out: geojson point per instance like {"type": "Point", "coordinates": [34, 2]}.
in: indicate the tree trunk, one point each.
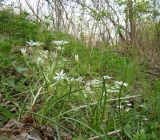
{"type": "Point", "coordinates": [132, 22]}
{"type": "Point", "coordinates": [58, 11]}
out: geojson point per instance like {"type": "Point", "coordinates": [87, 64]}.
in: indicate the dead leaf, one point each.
{"type": "Point", "coordinates": [47, 132]}
{"type": "Point", "coordinates": [14, 124]}
{"type": "Point", "coordinates": [22, 136]}
{"type": "Point", "coordinates": [13, 110]}
{"type": "Point", "coordinates": [27, 118]}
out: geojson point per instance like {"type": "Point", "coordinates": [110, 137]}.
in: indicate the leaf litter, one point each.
{"type": "Point", "coordinates": [15, 130]}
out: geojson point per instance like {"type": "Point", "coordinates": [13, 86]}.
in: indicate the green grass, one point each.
{"type": "Point", "coordinates": [72, 106]}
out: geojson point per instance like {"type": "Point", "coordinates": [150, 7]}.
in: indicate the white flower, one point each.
{"type": "Point", "coordinates": [145, 118]}
{"type": "Point", "coordinates": [44, 54]}
{"type": "Point", "coordinates": [129, 104]}
{"type": "Point", "coordinates": [76, 57]}
{"type": "Point", "coordinates": [125, 84]}
{"type": "Point", "coordinates": [143, 106]}
{"type": "Point", "coordinates": [65, 59]}
{"type": "Point", "coordinates": [126, 101]}
{"type": "Point", "coordinates": [59, 48]}
{"type": "Point", "coordinates": [88, 90]}
{"type": "Point", "coordinates": [23, 51]}
{"type": "Point", "coordinates": [120, 83]}
{"type": "Point", "coordinates": [85, 95]}
{"type": "Point", "coordinates": [59, 42]}
{"type": "Point", "coordinates": [60, 76]}
{"type": "Point", "coordinates": [94, 83]}
{"type": "Point", "coordinates": [45, 51]}
{"type": "Point", "coordinates": [127, 109]}
{"type": "Point", "coordinates": [79, 79]}
{"type": "Point", "coordinates": [107, 77]}
{"type": "Point", "coordinates": [54, 55]}
{"type": "Point", "coordinates": [40, 60]}
{"type": "Point", "coordinates": [33, 43]}
{"type": "Point", "coordinates": [108, 86]}
{"type": "Point", "coordinates": [72, 79]}
{"type": "Point", "coordinates": [119, 106]}
{"type": "Point", "coordinates": [112, 90]}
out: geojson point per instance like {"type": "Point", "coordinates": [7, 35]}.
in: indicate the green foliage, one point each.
{"type": "Point", "coordinates": [18, 26]}
{"type": "Point", "coordinates": [99, 15]}
{"type": "Point", "coordinates": [142, 6]}
{"type": "Point", "coordinates": [121, 2]}
{"type": "Point", "coordinates": [5, 49]}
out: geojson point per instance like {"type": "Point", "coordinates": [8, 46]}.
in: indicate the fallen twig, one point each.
{"type": "Point", "coordinates": [112, 133]}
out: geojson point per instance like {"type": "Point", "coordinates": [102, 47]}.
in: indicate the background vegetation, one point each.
{"type": "Point", "coordinates": [79, 88]}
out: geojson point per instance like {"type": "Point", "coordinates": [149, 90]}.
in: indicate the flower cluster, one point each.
{"type": "Point", "coordinates": [89, 85]}
{"type": "Point", "coordinates": [42, 56]}
{"type": "Point", "coordinates": [110, 88]}
{"type": "Point", "coordinates": [120, 83]}
{"type": "Point", "coordinates": [107, 77]}
{"type": "Point", "coordinates": [63, 76]}
{"type": "Point", "coordinates": [94, 83]}
{"type": "Point", "coordinates": [58, 44]}
{"type": "Point", "coordinates": [72, 79]}
{"type": "Point", "coordinates": [116, 87]}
